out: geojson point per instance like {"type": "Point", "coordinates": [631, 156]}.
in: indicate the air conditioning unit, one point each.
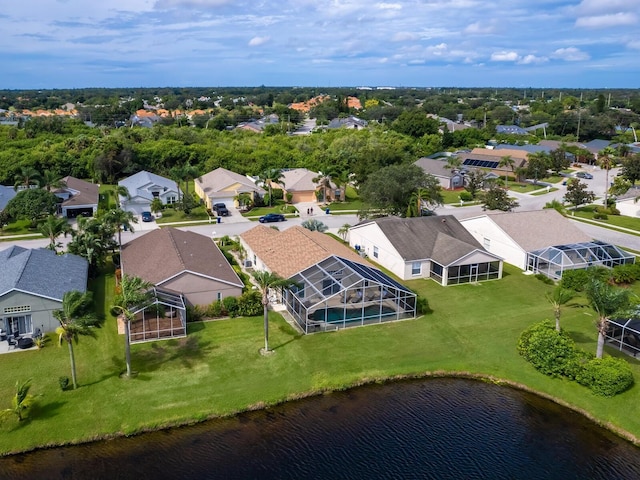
{"type": "Point", "coordinates": [248, 264]}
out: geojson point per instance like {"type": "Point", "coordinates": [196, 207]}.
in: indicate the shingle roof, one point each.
{"type": "Point", "coordinates": [294, 249]}
{"type": "Point", "coordinates": [136, 184]}
{"type": "Point", "coordinates": [433, 166]}
{"type": "Point", "coordinates": [539, 229]}
{"type": "Point", "coordinates": [6, 194]}
{"type": "Point", "coordinates": [299, 179]}
{"type": "Point", "coordinates": [42, 272]}
{"type": "Point", "coordinates": [440, 238]}
{"type": "Point", "coordinates": [219, 179]}
{"type": "Point", "coordinates": [88, 193]}
{"type": "Point", "coordinates": [166, 252]}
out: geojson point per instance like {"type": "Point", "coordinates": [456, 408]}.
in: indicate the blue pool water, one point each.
{"type": "Point", "coordinates": [338, 315]}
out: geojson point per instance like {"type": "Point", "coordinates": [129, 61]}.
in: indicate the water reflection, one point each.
{"type": "Point", "coordinates": [437, 428]}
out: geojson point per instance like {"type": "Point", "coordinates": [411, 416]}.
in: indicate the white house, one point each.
{"type": "Point", "coordinates": [143, 187]}
{"type": "Point", "coordinates": [436, 247]}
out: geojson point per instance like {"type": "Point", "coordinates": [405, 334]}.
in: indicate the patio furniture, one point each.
{"type": "Point", "coordinates": [11, 343]}
{"type": "Point", "coordinates": [3, 335]}
{"type": "Point", "coordinates": [25, 342]}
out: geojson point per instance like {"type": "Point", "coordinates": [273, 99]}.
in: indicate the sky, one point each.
{"type": "Point", "coordinates": [330, 43]}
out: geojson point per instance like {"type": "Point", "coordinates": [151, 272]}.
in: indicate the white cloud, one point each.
{"type": "Point", "coordinates": [480, 28]}
{"type": "Point", "coordinates": [389, 6]}
{"type": "Point", "coordinates": [257, 41]}
{"type": "Point", "coordinates": [634, 44]}
{"type": "Point", "coordinates": [504, 57]}
{"type": "Point", "coordinates": [570, 54]}
{"type": "Point", "coordinates": [596, 7]}
{"type": "Point", "coordinates": [529, 59]}
{"type": "Point", "coordinates": [404, 37]}
{"type": "Point", "coordinates": [606, 21]}
{"type": "Point", "coordinates": [162, 4]}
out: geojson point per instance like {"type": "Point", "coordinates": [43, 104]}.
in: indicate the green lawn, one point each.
{"type": "Point", "coordinates": [170, 215]}
{"type": "Point", "coordinates": [279, 207]}
{"type": "Point", "coordinates": [19, 227]}
{"type": "Point", "coordinates": [524, 187]}
{"type": "Point", "coordinates": [217, 370]}
{"type": "Point", "coordinates": [614, 220]}
{"type": "Point", "coordinates": [544, 191]}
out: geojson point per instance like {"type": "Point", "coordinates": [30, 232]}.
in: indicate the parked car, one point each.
{"type": "Point", "coordinates": [147, 217]}
{"type": "Point", "coordinates": [220, 209]}
{"type": "Point", "coordinates": [272, 217]}
{"type": "Point", "coordinates": [585, 175]}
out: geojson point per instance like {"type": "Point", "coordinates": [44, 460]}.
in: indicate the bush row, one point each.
{"type": "Point", "coordinates": [555, 354]}
{"type": "Point", "coordinates": [249, 304]}
{"type": "Point", "coordinates": [620, 274]}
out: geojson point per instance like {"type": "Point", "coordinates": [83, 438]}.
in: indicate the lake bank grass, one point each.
{"type": "Point", "coordinates": [217, 370]}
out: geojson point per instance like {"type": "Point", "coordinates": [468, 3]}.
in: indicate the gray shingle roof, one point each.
{"type": "Point", "coordinates": [6, 194]}
{"type": "Point", "coordinates": [440, 238]}
{"type": "Point", "coordinates": [42, 272]}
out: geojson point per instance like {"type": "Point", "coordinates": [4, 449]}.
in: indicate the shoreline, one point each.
{"type": "Point", "coordinates": [620, 432]}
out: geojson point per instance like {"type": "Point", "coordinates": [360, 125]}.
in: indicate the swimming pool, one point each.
{"type": "Point", "coordinates": [340, 315]}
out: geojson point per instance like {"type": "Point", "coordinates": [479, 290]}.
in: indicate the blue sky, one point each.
{"type": "Point", "coordinates": [146, 43]}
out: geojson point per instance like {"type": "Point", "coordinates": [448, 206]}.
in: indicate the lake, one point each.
{"type": "Point", "coordinates": [422, 429]}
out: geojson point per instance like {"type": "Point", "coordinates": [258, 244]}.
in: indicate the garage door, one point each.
{"type": "Point", "coordinates": [137, 208]}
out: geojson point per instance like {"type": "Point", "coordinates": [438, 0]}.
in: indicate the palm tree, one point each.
{"type": "Point", "coordinates": [266, 281]}
{"type": "Point", "coordinates": [134, 292]}
{"type": "Point", "coordinates": [21, 403]}
{"type": "Point", "coordinates": [28, 176]}
{"type": "Point", "coordinates": [51, 181]}
{"type": "Point", "coordinates": [120, 191]}
{"type": "Point", "coordinates": [52, 228]}
{"type": "Point", "coordinates": [507, 161]}
{"type": "Point", "coordinates": [324, 181]}
{"type": "Point", "coordinates": [606, 159]}
{"type": "Point", "coordinates": [268, 178]}
{"type": "Point", "coordinates": [314, 225]}
{"type": "Point", "coordinates": [559, 297]}
{"type": "Point", "coordinates": [605, 299]}
{"type": "Point", "coordinates": [453, 163]}
{"type": "Point", "coordinates": [156, 205]}
{"type": "Point", "coordinates": [76, 318]}
{"type": "Point", "coordinates": [343, 231]}
{"type": "Point", "coordinates": [120, 220]}
{"type": "Point", "coordinates": [414, 209]}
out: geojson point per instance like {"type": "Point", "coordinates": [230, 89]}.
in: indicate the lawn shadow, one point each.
{"type": "Point", "coordinates": [188, 351]}
{"type": "Point", "coordinates": [117, 368]}
{"type": "Point", "coordinates": [288, 330]}
{"type": "Point", "coordinates": [46, 411]}
{"type": "Point", "coordinates": [195, 327]}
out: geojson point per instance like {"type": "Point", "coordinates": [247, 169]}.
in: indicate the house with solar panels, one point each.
{"type": "Point", "coordinates": [489, 159]}
{"type": "Point", "coordinates": [334, 287]}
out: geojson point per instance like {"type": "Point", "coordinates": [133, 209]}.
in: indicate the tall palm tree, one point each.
{"type": "Point", "coordinates": [507, 161]}
{"type": "Point", "coordinates": [28, 176]}
{"type": "Point", "coordinates": [343, 231]}
{"type": "Point", "coordinates": [76, 318]}
{"type": "Point", "coordinates": [414, 209]}
{"type": "Point", "coordinates": [269, 177]}
{"type": "Point", "coordinates": [453, 163]}
{"type": "Point", "coordinates": [51, 181]}
{"type": "Point", "coordinates": [52, 228]}
{"type": "Point", "coordinates": [266, 281]}
{"type": "Point", "coordinates": [120, 191]}
{"type": "Point", "coordinates": [120, 220]}
{"type": "Point", "coordinates": [606, 300]}
{"type": "Point", "coordinates": [559, 297]}
{"type": "Point", "coordinates": [190, 172]}
{"type": "Point", "coordinates": [607, 160]}
{"type": "Point", "coordinates": [134, 292]}
{"type": "Point", "coordinates": [324, 181]}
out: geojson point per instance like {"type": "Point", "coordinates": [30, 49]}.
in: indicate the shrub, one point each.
{"type": "Point", "coordinates": [195, 313]}
{"type": "Point", "coordinates": [576, 279]}
{"type": "Point", "coordinates": [600, 216]}
{"type": "Point", "coordinates": [550, 351]}
{"type": "Point", "coordinates": [231, 306]}
{"type": "Point", "coordinates": [606, 376]}
{"type": "Point", "coordinates": [627, 273]}
{"type": "Point", "coordinates": [544, 279]}
{"type": "Point", "coordinates": [63, 382]}
{"type": "Point", "coordinates": [422, 306]}
{"type": "Point", "coordinates": [250, 304]}
{"type": "Point", "coordinates": [216, 309]}
{"type": "Point", "coordinates": [466, 196]}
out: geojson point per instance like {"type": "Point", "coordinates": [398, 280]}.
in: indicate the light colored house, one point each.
{"type": "Point", "coordinates": [436, 247]}
{"type": "Point", "coordinates": [78, 197]}
{"type": "Point", "coordinates": [183, 262]}
{"type": "Point", "coordinates": [223, 186]}
{"type": "Point", "coordinates": [487, 158]}
{"type": "Point", "coordinates": [542, 241]}
{"type": "Point", "coordinates": [143, 187]}
{"type": "Point", "coordinates": [334, 287]}
{"type": "Point", "coordinates": [32, 285]}
{"type": "Point", "coordinates": [299, 182]}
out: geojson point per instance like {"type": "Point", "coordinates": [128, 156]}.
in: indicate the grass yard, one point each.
{"type": "Point", "coordinates": [524, 187]}
{"type": "Point", "coordinates": [19, 227]}
{"type": "Point", "coordinates": [279, 207]}
{"type": "Point", "coordinates": [170, 215]}
{"type": "Point", "coordinates": [217, 369]}
{"type": "Point", "coordinates": [613, 220]}
{"type": "Point", "coordinates": [544, 191]}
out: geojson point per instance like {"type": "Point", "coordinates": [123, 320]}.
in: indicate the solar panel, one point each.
{"type": "Point", "coordinates": [481, 163]}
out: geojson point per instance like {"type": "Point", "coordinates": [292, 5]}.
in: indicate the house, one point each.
{"type": "Point", "coordinates": [542, 241]}
{"type": "Point", "coordinates": [488, 158]}
{"type": "Point", "coordinates": [6, 194]}
{"type": "Point", "coordinates": [436, 247]}
{"type": "Point", "coordinates": [78, 197]}
{"type": "Point", "coordinates": [143, 187]}
{"type": "Point", "coordinates": [449, 178]}
{"type": "Point", "coordinates": [334, 287]}
{"type": "Point", "coordinates": [32, 285]}
{"type": "Point", "coordinates": [258, 126]}
{"type": "Point", "coordinates": [223, 186]}
{"type": "Point", "coordinates": [351, 123]}
{"type": "Point", "coordinates": [299, 182]}
{"type": "Point", "coordinates": [183, 262]}
{"type": "Point", "coordinates": [511, 130]}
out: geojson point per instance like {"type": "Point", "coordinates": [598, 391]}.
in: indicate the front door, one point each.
{"type": "Point", "coordinates": [474, 273]}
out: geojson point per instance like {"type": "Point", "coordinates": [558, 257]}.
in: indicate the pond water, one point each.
{"type": "Point", "coordinates": [422, 429]}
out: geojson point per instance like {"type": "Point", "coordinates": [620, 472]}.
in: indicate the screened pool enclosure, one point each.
{"type": "Point", "coordinates": [624, 334]}
{"type": "Point", "coordinates": [338, 293]}
{"type": "Point", "coordinates": [553, 261]}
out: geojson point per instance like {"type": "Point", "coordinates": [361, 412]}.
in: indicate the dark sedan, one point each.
{"type": "Point", "coordinates": [272, 217]}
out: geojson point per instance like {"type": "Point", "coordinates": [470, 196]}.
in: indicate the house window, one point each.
{"type": "Point", "coordinates": [155, 194]}
{"type": "Point", "coordinates": [171, 200]}
{"type": "Point", "coordinates": [338, 192]}
{"type": "Point", "coordinates": [487, 243]}
{"type": "Point", "coordinates": [375, 252]}
{"type": "Point", "coordinates": [219, 297]}
{"type": "Point", "coordinates": [416, 268]}
{"type": "Point", "coordinates": [22, 308]}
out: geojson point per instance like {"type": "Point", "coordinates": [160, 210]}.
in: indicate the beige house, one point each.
{"type": "Point", "coordinates": [183, 262]}
{"type": "Point", "coordinates": [223, 186]}
{"type": "Point", "coordinates": [299, 182]}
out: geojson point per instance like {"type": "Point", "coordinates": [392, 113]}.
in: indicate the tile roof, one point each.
{"type": "Point", "coordinates": [166, 252]}
{"type": "Point", "coordinates": [289, 251]}
{"type": "Point", "coordinates": [41, 272]}
{"type": "Point", "coordinates": [216, 181]}
{"type": "Point", "coordinates": [299, 179]}
{"type": "Point", "coordinates": [88, 193]}
{"type": "Point", "coordinates": [441, 238]}
{"type": "Point", "coordinates": [539, 229]}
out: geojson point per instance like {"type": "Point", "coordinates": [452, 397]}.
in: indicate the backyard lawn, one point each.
{"type": "Point", "coordinates": [217, 369]}
{"type": "Point", "coordinates": [613, 220]}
